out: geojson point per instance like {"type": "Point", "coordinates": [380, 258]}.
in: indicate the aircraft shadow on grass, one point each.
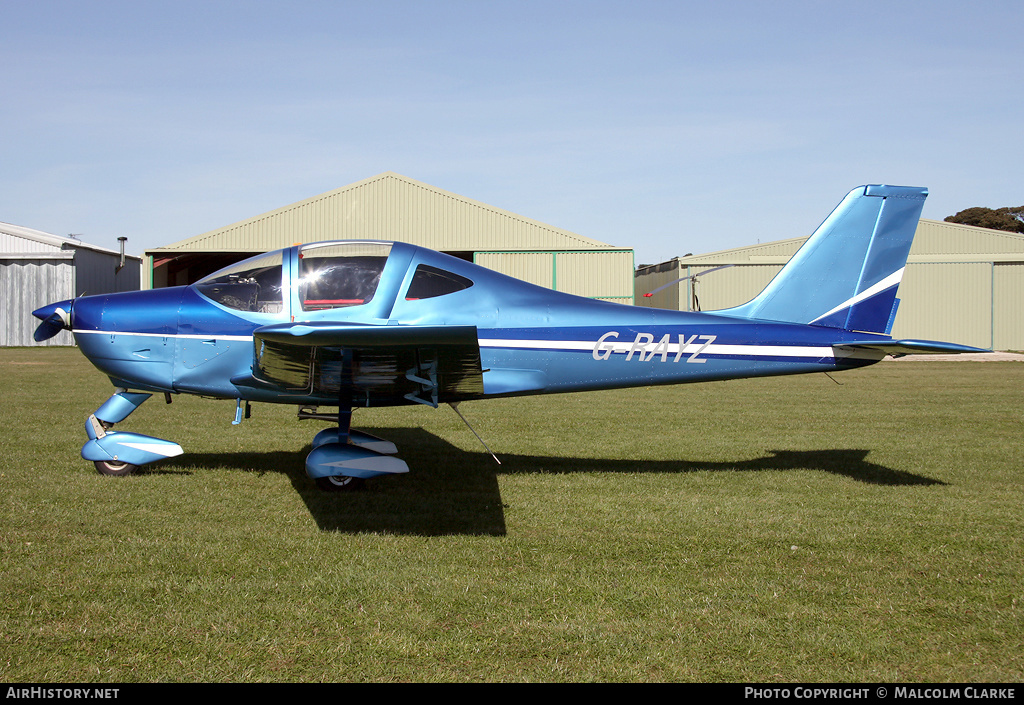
{"type": "Point", "coordinates": [461, 494]}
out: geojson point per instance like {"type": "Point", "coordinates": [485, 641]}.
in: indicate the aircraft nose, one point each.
{"type": "Point", "coordinates": [146, 311]}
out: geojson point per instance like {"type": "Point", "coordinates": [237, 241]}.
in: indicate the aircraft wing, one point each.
{"type": "Point", "coordinates": [368, 365]}
{"type": "Point", "coordinates": [910, 347]}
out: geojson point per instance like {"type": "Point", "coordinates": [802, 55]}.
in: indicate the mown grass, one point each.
{"type": "Point", "coordinates": [787, 529]}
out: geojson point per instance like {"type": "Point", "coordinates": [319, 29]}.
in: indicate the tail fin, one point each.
{"type": "Point", "coordinates": [846, 274]}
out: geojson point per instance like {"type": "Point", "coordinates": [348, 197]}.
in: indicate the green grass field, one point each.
{"type": "Point", "coordinates": [788, 529]}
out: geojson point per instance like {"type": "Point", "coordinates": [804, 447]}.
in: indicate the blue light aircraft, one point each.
{"type": "Point", "coordinates": [352, 324]}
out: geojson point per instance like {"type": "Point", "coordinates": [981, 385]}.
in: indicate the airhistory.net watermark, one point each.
{"type": "Point", "coordinates": [51, 693]}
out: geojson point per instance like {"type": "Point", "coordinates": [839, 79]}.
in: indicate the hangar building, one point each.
{"type": "Point", "coordinates": [37, 268]}
{"type": "Point", "coordinates": [393, 207]}
{"type": "Point", "coordinates": [962, 284]}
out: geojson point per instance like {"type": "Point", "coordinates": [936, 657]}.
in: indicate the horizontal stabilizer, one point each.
{"type": "Point", "coordinates": [910, 347]}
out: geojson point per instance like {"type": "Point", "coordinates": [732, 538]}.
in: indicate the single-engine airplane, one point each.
{"type": "Point", "coordinates": [352, 324]}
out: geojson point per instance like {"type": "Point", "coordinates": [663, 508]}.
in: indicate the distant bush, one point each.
{"type": "Point", "coordinates": [1011, 219]}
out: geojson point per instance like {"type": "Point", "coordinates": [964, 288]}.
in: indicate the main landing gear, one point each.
{"type": "Point", "coordinates": [343, 458]}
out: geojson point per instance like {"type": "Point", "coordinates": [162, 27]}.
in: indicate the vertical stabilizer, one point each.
{"type": "Point", "coordinates": [847, 273]}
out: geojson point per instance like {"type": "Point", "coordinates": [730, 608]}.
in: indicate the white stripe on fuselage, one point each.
{"type": "Point", "coordinates": [182, 336]}
{"type": "Point", "coordinates": [643, 350]}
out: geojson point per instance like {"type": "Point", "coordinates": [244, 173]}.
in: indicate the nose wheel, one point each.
{"type": "Point", "coordinates": [114, 468]}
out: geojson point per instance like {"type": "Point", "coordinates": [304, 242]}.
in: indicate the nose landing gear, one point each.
{"type": "Point", "coordinates": [118, 453]}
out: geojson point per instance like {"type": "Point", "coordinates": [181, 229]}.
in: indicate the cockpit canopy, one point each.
{"type": "Point", "coordinates": [329, 275]}
{"type": "Point", "coordinates": [336, 275]}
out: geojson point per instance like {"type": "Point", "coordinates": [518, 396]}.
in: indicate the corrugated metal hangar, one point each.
{"type": "Point", "coordinates": [962, 284]}
{"type": "Point", "coordinates": [393, 207]}
{"type": "Point", "coordinates": [38, 268]}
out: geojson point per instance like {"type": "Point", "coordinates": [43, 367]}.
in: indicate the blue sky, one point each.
{"type": "Point", "coordinates": [668, 127]}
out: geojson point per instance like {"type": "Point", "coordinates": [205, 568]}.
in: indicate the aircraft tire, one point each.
{"type": "Point", "coordinates": [114, 468]}
{"type": "Point", "coordinates": [340, 483]}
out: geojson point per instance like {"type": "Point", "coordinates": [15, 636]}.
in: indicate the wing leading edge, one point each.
{"type": "Point", "coordinates": [368, 365]}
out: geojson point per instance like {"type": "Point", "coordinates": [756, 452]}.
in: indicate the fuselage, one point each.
{"type": "Point", "coordinates": [197, 339]}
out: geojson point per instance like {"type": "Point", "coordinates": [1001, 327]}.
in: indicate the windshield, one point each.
{"type": "Point", "coordinates": [251, 285]}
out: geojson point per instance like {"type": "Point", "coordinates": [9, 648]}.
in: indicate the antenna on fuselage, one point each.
{"type": "Point", "coordinates": [693, 280]}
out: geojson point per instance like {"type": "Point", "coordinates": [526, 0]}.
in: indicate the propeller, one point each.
{"type": "Point", "coordinates": [55, 318]}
